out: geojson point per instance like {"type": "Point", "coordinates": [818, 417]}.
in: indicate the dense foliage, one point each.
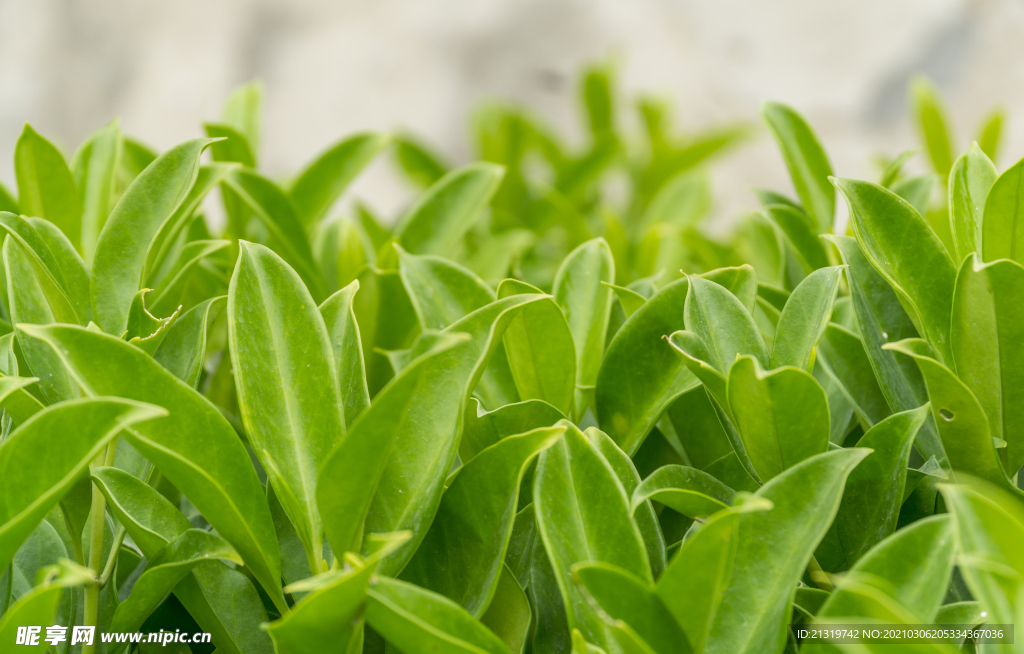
{"type": "Point", "coordinates": [508, 420]}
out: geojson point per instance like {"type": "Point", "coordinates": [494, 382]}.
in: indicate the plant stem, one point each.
{"type": "Point", "coordinates": [818, 576]}
{"type": "Point", "coordinates": [97, 521]}
{"type": "Point", "coordinates": [115, 549]}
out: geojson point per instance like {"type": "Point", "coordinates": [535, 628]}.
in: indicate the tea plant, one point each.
{"type": "Point", "coordinates": [508, 421]}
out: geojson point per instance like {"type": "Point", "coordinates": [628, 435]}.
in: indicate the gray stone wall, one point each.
{"type": "Point", "coordinates": [333, 67]}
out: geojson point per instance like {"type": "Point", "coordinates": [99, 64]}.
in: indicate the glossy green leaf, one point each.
{"type": "Point", "coordinates": [418, 621]}
{"type": "Point", "coordinates": [991, 132]}
{"type": "Point", "coordinates": [912, 566]}
{"type": "Point", "coordinates": [441, 291]}
{"type": "Point", "coordinates": [773, 551]}
{"type": "Point", "coordinates": [581, 292]}
{"type": "Point", "coordinates": [448, 209]}
{"type": "Point", "coordinates": [509, 614]}
{"type": "Point", "coordinates": [690, 491]}
{"type": "Point", "coordinates": [874, 490]}
{"type": "Point", "coordinates": [194, 447]}
{"type": "Point", "coordinates": [989, 526]}
{"type": "Point", "coordinates": [343, 332]}
{"type": "Point", "coordinates": [782, 416]}
{"type": "Point", "coordinates": [277, 213]}
{"type": "Point", "coordinates": [46, 187]}
{"type": "Point", "coordinates": [540, 349]}
{"type": "Point", "coordinates": [234, 147]}
{"type": "Point", "coordinates": [986, 336]}
{"type": "Point", "coordinates": [804, 319]}
{"type": "Point", "coordinates": [287, 383]}
{"type": "Point", "coordinates": [462, 554]}
{"type": "Point", "coordinates": [121, 249]}
{"type": "Point", "coordinates": [931, 124]}
{"type": "Point", "coordinates": [628, 298]}
{"type": "Point", "coordinates": [643, 512]}
{"type": "Point", "coordinates": [243, 111]}
{"type": "Point", "coordinates": [724, 325]}
{"type": "Point", "coordinates": [39, 606]}
{"type": "Point", "coordinates": [223, 601]}
{"type": "Point", "coordinates": [962, 424]}
{"type": "Point", "coordinates": [84, 426]}
{"type": "Point", "coordinates": [419, 164]}
{"type": "Point", "coordinates": [917, 191]}
{"type": "Point", "coordinates": [907, 254]}
{"type": "Point", "coordinates": [1002, 229]}
{"type": "Point", "coordinates": [94, 167]}
{"type": "Point", "coordinates": [844, 357]}
{"type": "Point", "coordinates": [625, 597]}
{"type": "Point", "coordinates": [72, 267]}
{"type": "Point", "coordinates": [163, 573]}
{"type": "Point", "coordinates": [806, 160]}
{"type": "Point", "coordinates": [326, 177]}
{"type": "Point", "coordinates": [969, 182]}
{"type": "Point", "coordinates": [16, 401]}
{"type": "Point", "coordinates": [183, 350]}
{"type": "Point", "coordinates": [800, 235]}
{"type": "Point", "coordinates": [639, 378]}
{"type": "Point", "coordinates": [481, 429]}
{"type": "Point", "coordinates": [882, 320]}
{"type": "Point", "coordinates": [583, 515]}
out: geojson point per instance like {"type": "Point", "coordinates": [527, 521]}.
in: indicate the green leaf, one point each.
{"type": "Point", "coordinates": [387, 321]}
{"type": "Point", "coordinates": [8, 202]}
{"type": "Point", "coordinates": [782, 416]}
{"type": "Point", "coordinates": [277, 213]}
{"type": "Point", "coordinates": [874, 490]}
{"type": "Point", "coordinates": [72, 267]}
{"type": "Point", "coordinates": [341, 248]}
{"type": "Point", "coordinates": [84, 427]}
{"type": "Point", "coordinates": [389, 469]}
{"type": "Point", "coordinates": [326, 619]}
{"type": "Point", "coordinates": [287, 383]}
{"type": "Point", "coordinates": [223, 601]}
{"type": "Point", "coordinates": [243, 111]}
{"type": "Point", "coordinates": [583, 515]}
{"type": "Point", "coordinates": [628, 298]}
{"type": "Point", "coordinates": [482, 429]}
{"type": "Point", "coordinates": [912, 567]}
{"type": "Point", "coordinates": [194, 447]}
{"type": "Point", "coordinates": [462, 554]}
{"type": "Point", "coordinates": [892, 171]}
{"type": "Point", "coordinates": [917, 191]}
{"type": "Point", "coordinates": [448, 209]}
{"type": "Point", "coordinates": [970, 180]}
{"type": "Point", "coordinates": [774, 549]}
{"type": "Point", "coordinates": [804, 319]}
{"type": "Point", "coordinates": [121, 250]}
{"type": "Point", "coordinates": [989, 136]}
{"type": "Point", "coordinates": [326, 177]}
{"type": "Point", "coordinates": [800, 235]}
{"type": "Point", "coordinates": [46, 187]}
{"type": "Point", "coordinates": [806, 160]}
{"type": "Point", "coordinates": [643, 512]}
{"type": "Point", "coordinates": [987, 335]}
{"type": "Point", "coordinates": [906, 253]}
{"type": "Point", "coordinates": [961, 420]}
{"type": "Point", "coordinates": [638, 379]}
{"type": "Point", "coordinates": [989, 527]}
{"type": "Point", "coordinates": [39, 606]}
{"type": "Point", "coordinates": [723, 323]}
{"type": "Point", "coordinates": [689, 491]}
{"type": "Point", "coordinates": [582, 293]}
{"type": "Point", "coordinates": [441, 291]}
{"type": "Point", "coordinates": [845, 359]}
{"type": "Point", "coordinates": [163, 572]}
{"type": "Point", "coordinates": [418, 621]}
{"type": "Point", "coordinates": [1002, 228]}
{"type": "Point", "coordinates": [234, 146]}
{"type": "Point", "coordinates": [183, 350]}
{"type": "Point", "coordinates": [508, 615]}
{"type": "Point", "coordinates": [931, 124]}
{"type": "Point", "coordinates": [95, 172]}
{"type": "Point", "coordinates": [420, 165]}
{"type": "Point", "coordinates": [540, 350]}
{"type": "Point", "coordinates": [882, 320]}
{"type": "Point", "coordinates": [623, 596]}
{"type": "Point", "coordinates": [19, 404]}
{"type": "Point", "coordinates": [343, 332]}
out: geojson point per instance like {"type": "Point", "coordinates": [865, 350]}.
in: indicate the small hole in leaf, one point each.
{"type": "Point", "coordinates": [947, 415]}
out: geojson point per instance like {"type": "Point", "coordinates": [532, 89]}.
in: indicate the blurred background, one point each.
{"type": "Point", "coordinates": [333, 67]}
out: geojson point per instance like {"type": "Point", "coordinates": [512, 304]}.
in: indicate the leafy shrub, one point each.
{"type": "Point", "coordinates": [508, 422]}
